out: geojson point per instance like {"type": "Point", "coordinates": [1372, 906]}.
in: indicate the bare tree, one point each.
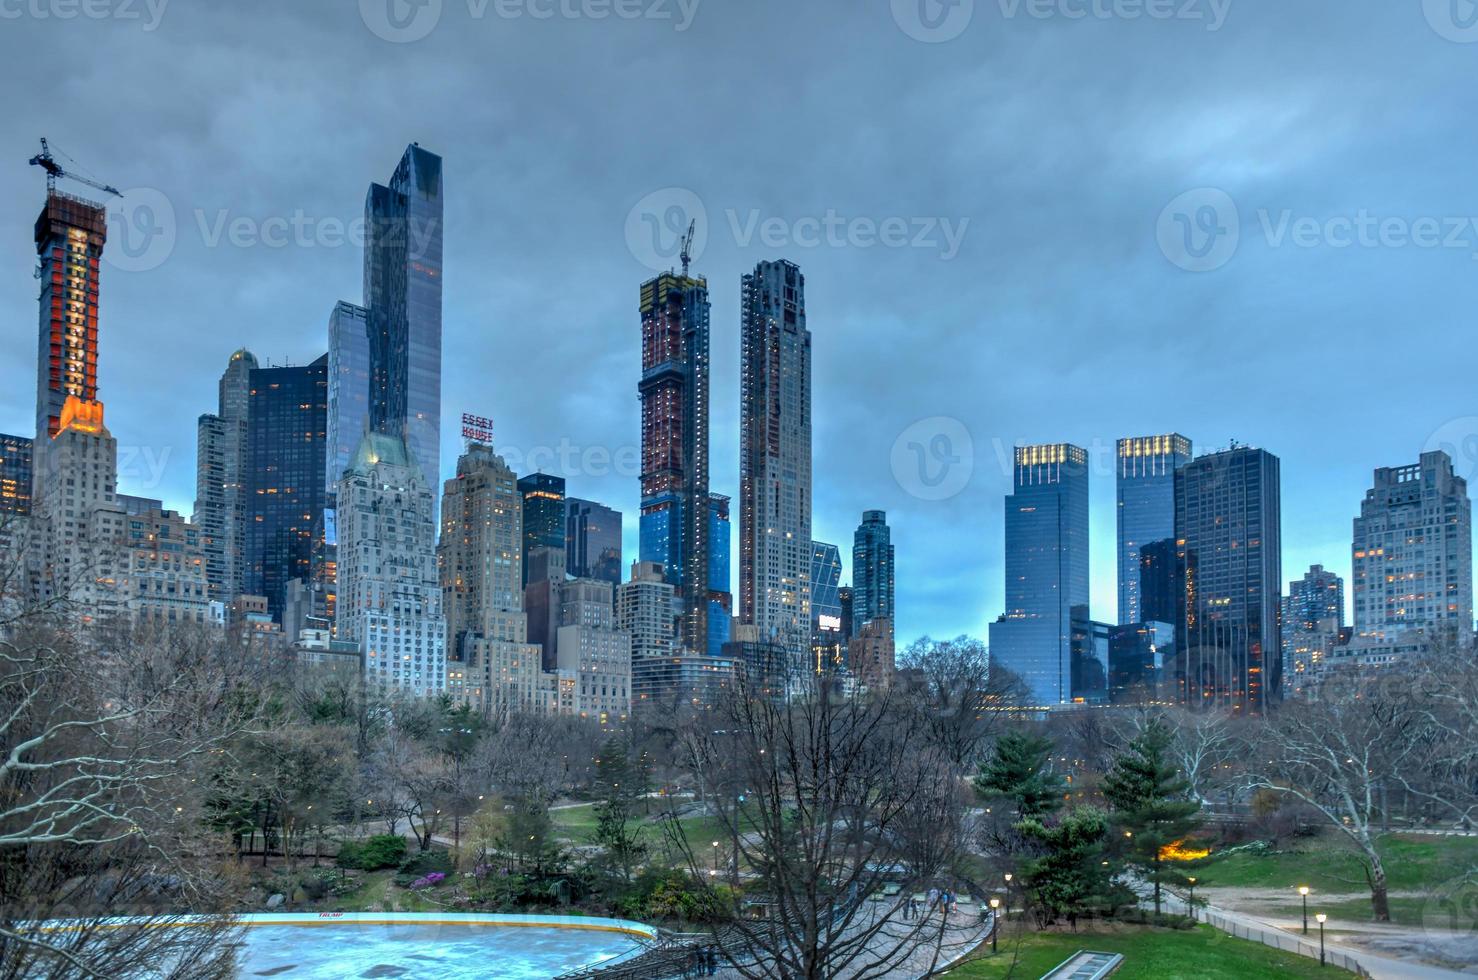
{"type": "Point", "coordinates": [840, 798]}
{"type": "Point", "coordinates": [959, 698]}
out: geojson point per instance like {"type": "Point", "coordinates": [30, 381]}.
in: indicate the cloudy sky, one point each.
{"type": "Point", "coordinates": [1019, 220]}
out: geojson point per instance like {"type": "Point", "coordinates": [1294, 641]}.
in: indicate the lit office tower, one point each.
{"type": "Point", "coordinates": [481, 556]}
{"type": "Point", "coordinates": [390, 599]}
{"type": "Point", "coordinates": [1146, 490]}
{"type": "Point", "coordinates": [828, 650]}
{"type": "Point", "coordinates": [402, 289]}
{"type": "Point", "coordinates": [675, 522]}
{"type": "Point", "coordinates": [1413, 551]}
{"type": "Point", "coordinates": [720, 594]}
{"type": "Point", "coordinates": [348, 389]}
{"type": "Point", "coordinates": [644, 609]}
{"type": "Point", "coordinates": [543, 518]}
{"type": "Point", "coordinates": [69, 245]}
{"type": "Point", "coordinates": [872, 571]}
{"type": "Point", "coordinates": [592, 541]}
{"type": "Point", "coordinates": [775, 459]}
{"type": "Point", "coordinates": [1228, 525]}
{"type": "Point", "coordinates": [1046, 561]}
{"type": "Point", "coordinates": [220, 480]}
{"type": "Point", "coordinates": [285, 442]}
{"type": "Point", "coordinates": [15, 476]}
{"type": "Point", "coordinates": [1313, 624]}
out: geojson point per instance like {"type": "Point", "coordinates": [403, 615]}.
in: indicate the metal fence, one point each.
{"type": "Point", "coordinates": [1281, 940]}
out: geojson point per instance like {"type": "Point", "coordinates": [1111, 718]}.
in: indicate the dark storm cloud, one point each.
{"type": "Point", "coordinates": [979, 219]}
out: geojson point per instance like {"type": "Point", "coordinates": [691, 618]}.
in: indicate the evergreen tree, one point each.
{"type": "Point", "coordinates": [1153, 809]}
{"type": "Point", "coordinates": [1069, 878]}
{"type": "Point", "coordinates": [1018, 772]}
{"type": "Point", "coordinates": [617, 825]}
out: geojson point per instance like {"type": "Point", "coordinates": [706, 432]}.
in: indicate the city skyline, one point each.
{"type": "Point", "coordinates": [274, 300]}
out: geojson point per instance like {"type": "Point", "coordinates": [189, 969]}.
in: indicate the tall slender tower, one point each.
{"type": "Point", "coordinates": [70, 233]}
{"type": "Point", "coordinates": [872, 571]}
{"type": "Point", "coordinates": [775, 458]}
{"type": "Point", "coordinates": [402, 291]}
{"type": "Point", "coordinates": [1046, 563]}
{"type": "Point", "coordinates": [676, 529]}
{"type": "Point", "coordinates": [1146, 512]}
{"type": "Point", "coordinates": [1228, 528]}
{"type": "Point", "coordinates": [220, 480]}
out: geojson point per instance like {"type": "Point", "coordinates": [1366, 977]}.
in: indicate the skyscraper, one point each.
{"type": "Point", "coordinates": [543, 515]}
{"type": "Point", "coordinates": [285, 469]}
{"type": "Point", "coordinates": [872, 571]}
{"type": "Point", "coordinates": [1046, 562]}
{"type": "Point", "coordinates": [1146, 510]}
{"type": "Point", "coordinates": [494, 667]}
{"type": "Point", "coordinates": [1228, 524]}
{"type": "Point", "coordinates": [70, 233]}
{"type": "Point", "coordinates": [828, 649]}
{"type": "Point", "coordinates": [16, 477]}
{"type": "Point", "coordinates": [348, 389]}
{"type": "Point", "coordinates": [390, 598]}
{"type": "Point", "coordinates": [592, 541]}
{"type": "Point", "coordinates": [402, 291]}
{"type": "Point", "coordinates": [220, 479]}
{"type": "Point", "coordinates": [1413, 551]}
{"type": "Point", "coordinates": [674, 389]}
{"type": "Point", "coordinates": [775, 459]}
{"type": "Point", "coordinates": [1313, 624]}
{"type": "Point", "coordinates": [720, 594]}
{"type": "Point", "coordinates": [593, 658]}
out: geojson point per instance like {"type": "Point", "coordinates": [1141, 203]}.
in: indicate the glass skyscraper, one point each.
{"type": "Point", "coordinates": [543, 515]}
{"type": "Point", "coordinates": [15, 476]}
{"type": "Point", "coordinates": [1228, 525]}
{"type": "Point", "coordinates": [720, 594]}
{"type": "Point", "coordinates": [1046, 561]}
{"type": "Point", "coordinates": [592, 541]}
{"type": "Point", "coordinates": [402, 290]}
{"type": "Point", "coordinates": [1146, 510]}
{"type": "Point", "coordinates": [348, 388]}
{"type": "Point", "coordinates": [285, 470]}
{"type": "Point", "coordinates": [872, 571]}
{"type": "Point", "coordinates": [676, 523]}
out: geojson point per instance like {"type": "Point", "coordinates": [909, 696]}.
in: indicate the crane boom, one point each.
{"type": "Point", "coordinates": [47, 162]}
{"type": "Point", "coordinates": [687, 253]}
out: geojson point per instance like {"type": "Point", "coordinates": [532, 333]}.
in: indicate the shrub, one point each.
{"type": "Point", "coordinates": [425, 862]}
{"type": "Point", "coordinates": [372, 853]}
{"type": "Point", "coordinates": [427, 881]}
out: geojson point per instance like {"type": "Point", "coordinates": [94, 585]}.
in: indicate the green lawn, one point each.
{"type": "Point", "coordinates": [1330, 864]}
{"type": "Point", "coordinates": [1149, 954]}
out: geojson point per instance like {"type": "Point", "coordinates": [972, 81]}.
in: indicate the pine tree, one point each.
{"type": "Point", "coordinates": [617, 826]}
{"type": "Point", "coordinates": [1018, 772]}
{"type": "Point", "coordinates": [1069, 878]}
{"type": "Point", "coordinates": [1152, 807]}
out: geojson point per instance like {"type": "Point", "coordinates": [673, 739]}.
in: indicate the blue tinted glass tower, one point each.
{"type": "Point", "coordinates": [720, 596]}
{"type": "Point", "coordinates": [1046, 562]}
{"type": "Point", "coordinates": [872, 571]}
{"type": "Point", "coordinates": [592, 541]}
{"type": "Point", "coordinates": [1146, 512]}
{"type": "Point", "coordinates": [543, 515]}
{"type": "Point", "coordinates": [402, 291]}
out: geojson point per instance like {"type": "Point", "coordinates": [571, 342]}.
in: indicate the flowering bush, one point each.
{"type": "Point", "coordinates": [427, 881]}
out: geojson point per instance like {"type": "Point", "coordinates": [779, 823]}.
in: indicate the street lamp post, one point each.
{"type": "Point", "coordinates": [1321, 917]}
{"type": "Point", "coordinates": [995, 924]}
{"type": "Point", "coordinates": [1008, 894]}
{"type": "Point", "coordinates": [1303, 890]}
{"type": "Point", "coordinates": [715, 858]}
{"type": "Point", "coordinates": [1192, 880]}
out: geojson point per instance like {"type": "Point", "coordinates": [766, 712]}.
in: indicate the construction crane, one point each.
{"type": "Point", "coordinates": [47, 162]}
{"type": "Point", "coordinates": [687, 253]}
